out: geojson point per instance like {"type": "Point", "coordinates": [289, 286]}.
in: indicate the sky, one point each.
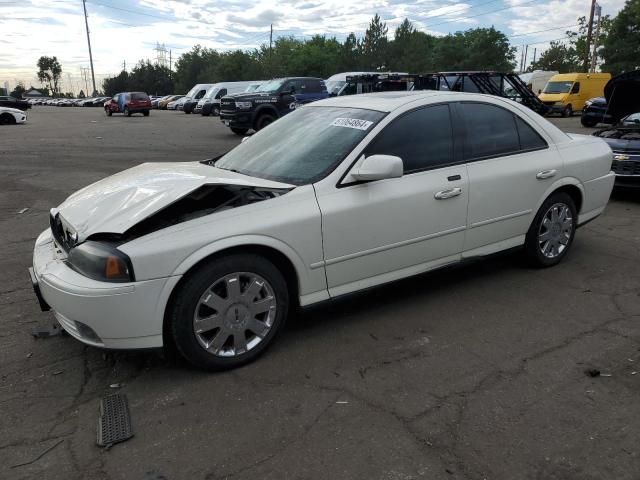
{"type": "Point", "coordinates": [124, 32]}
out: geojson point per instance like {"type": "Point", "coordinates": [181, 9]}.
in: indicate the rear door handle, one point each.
{"type": "Point", "coordinates": [546, 174]}
{"type": "Point", "coordinates": [448, 193]}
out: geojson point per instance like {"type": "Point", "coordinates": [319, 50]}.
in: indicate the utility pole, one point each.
{"type": "Point", "coordinates": [124, 65]}
{"type": "Point", "coordinates": [521, 58]}
{"type": "Point", "coordinates": [86, 23]}
{"type": "Point", "coordinates": [594, 55]}
{"type": "Point", "coordinates": [170, 72]}
{"type": "Point", "coordinates": [585, 65]}
{"type": "Point", "coordinates": [526, 52]}
{"type": "Point", "coordinates": [270, 51]}
{"type": "Point", "coordinates": [534, 55]}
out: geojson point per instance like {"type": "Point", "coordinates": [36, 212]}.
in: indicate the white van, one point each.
{"type": "Point", "coordinates": [537, 80]}
{"type": "Point", "coordinates": [209, 104]}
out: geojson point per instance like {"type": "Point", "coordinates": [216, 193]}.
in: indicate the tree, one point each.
{"type": "Point", "coordinates": [49, 71]}
{"type": "Point", "coordinates": [19, 90]}
{"type": "Point", "coordinates": [558, 57]}
{"type": "Point", "coordinates": [82, 94]}
{"type": "Point", "coordinates": [191, 68]}
{"type": "Point", "coordinates": [113, 85]}
{"type": "Point", "coordinates": [374, 45]}
{"type": "Point", "coordinates": [474, 49]}
{"type": "Point", "coordinates": [622, 45]}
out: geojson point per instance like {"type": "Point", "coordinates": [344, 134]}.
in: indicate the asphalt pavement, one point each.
{"type": "Point", "coordinates": [472, 372]}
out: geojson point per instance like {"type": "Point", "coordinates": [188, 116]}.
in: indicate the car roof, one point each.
{"type": "Point", "coordinates": [385, 101]}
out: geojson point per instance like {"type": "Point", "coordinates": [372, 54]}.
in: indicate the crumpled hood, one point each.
{"type": "Point", "coordinates": [623, 94]}
{"type": "Point", "coordinates": [118, 202]}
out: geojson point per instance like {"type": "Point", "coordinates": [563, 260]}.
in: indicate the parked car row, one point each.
{"type": "Point", "coordinates": [69, 102]}
{"type": "Point", "coordinates": [12, 102]}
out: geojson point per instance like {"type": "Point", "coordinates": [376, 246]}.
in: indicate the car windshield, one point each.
{"type": "Point", "coordinates": [211, 93]}
{"type": "Point", "coordinates": [271, 86]}
{"type": "Point", "coordinates": [558, 87]}
{"type": "Point", "coordinates": [303, 146]}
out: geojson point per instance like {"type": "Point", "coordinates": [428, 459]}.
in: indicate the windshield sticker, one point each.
{"type": "Point", "coordinates": [352, 123]}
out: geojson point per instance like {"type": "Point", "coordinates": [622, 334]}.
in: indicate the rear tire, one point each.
{"type": "Point", "coordinates": [588, 122]}
{"type": "Point", "coordinates": [127, 112]}
{"type": "Point", "coordinates": [7, 119]}
{"type": "Point", "coordinates": [228, 335]}
{"type": "Point", "coordinates": [239, 131]}
{"type": "Point", "coordinates": [552, 231]}
{"type": "Point", "coordinates": [264, 121]}
{"type": "Point", "coordinates": [146, 113]}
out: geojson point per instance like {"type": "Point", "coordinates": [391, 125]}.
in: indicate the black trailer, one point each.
{"type": "Point", "coordinates": [507, 85]}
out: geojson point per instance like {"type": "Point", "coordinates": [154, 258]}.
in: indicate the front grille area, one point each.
{"type": "Point", "coordinates": [550, 104]}
{"type": "Point", "coordinates": [227, 105]}
{"type": "Point", "coordinates": [626, 167]}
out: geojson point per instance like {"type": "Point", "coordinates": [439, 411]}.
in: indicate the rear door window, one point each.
{"type": "Point", "coordinates": [313, 86]}
{"type": "Point", "coordinates": [529, 138]}
{"type": "Point", "coordinates": [490, 131]}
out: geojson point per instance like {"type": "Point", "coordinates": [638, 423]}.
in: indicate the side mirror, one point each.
{"type": "Point", "coordinates": [378, 167]}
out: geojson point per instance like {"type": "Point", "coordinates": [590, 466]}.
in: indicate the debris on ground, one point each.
{"type": "Point", "coordinates": [592, 372]}
{"type": "Point", "coordinates": [20, 212]}
{"type": "Point", "coordinates": [30, 354]}
{"type": "Point", "coordinates": [46, 333]}
{"type": "Point", "coordinates": [114, 422]}
{"type": "Point", "coordinates": [116, 385]}
{"type": "Point", "coordinates": [58, 372]}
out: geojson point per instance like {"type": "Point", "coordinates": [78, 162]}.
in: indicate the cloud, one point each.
{"type": "Point", "coordinates": [129, 30]}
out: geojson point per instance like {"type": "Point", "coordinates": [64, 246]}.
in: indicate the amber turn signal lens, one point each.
{"type": "Point", "coordinates": [112, 269]}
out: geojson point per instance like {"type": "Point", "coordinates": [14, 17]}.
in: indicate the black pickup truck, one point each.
{"type": "Point", "coordinates": [13, 102]}
{"type": "Point", "coordinates": [244, 111]}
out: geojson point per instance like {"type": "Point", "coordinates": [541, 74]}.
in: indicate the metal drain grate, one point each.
{"type": "Point", "coordinates": [114, 424]}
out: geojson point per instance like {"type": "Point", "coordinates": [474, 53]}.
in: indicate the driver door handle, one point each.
{"type": "Point", "coordinates": [448, 193]}
{"type": "Point", "coordinates": [546, 174]}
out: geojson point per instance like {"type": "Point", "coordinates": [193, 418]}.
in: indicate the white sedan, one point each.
{"type": "Point", "coordinates": [338, 196]}
{"type": "Point", "coordinates": [11, 116]}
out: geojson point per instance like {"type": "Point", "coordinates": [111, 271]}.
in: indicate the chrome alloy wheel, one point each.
{"type": "Point", "coordinates": [234, 314]}
{"type": "Point", "coordinates": [555, 230]}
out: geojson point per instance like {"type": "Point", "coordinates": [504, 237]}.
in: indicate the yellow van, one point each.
{"type": "Point", "coordinates": [566, 93]}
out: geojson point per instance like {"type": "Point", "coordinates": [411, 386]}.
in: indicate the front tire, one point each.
{"type": "Point", "coordinates": [108, 112]}
{"type": "Point", "coordinates": [228, 311]}
{"type": "Point", "coordinates": [264, 121]}
{"type": "Point", "coordinates": [239, 131]}
{"type": "Point", "coordinates": [568, 111]}
{"type": "Point", "coordinates": [551, 234]}
{"type": "Point", "coordinates": [127, 112]}
{"type": "Point", "coordinates": [588, 122]}
{"type": "Point", "coordinates": [7, 119]}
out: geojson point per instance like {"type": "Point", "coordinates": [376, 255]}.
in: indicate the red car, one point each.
{"type": "Point", "coordinates": [128, 103]}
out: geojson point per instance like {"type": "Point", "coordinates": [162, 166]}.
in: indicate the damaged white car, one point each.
{"type": "Point", "coordinates": [338, 196]}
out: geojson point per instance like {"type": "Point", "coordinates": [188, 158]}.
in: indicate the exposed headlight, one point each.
{"type": "Point", "coordinates": [244, 105]}
{"type": "Point", "coordinates": [588, 103]}
{"type": "Point", "coordinates": [101, 261]}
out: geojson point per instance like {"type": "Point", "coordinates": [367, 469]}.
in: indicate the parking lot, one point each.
{"type": "Point", "coordinates": [472, 372]}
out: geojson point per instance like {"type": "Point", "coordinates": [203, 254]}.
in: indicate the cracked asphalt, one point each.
{"type": "Point", "coordinates": [473, 372]}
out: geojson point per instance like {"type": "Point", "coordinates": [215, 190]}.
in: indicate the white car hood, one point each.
{"type": "Point", "coordinates": [118, 202]}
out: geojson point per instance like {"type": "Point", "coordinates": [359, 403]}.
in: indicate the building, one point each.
{"type": "Point", "coordinates": [32, 93]}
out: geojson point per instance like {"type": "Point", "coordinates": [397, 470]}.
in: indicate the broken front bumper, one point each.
{"type": "Point", "coordinates": [101, 314]}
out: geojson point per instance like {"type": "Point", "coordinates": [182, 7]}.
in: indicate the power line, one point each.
{"type": "Point", "coordinates": [481, 14]}
{"type": "Point", "coordinates": [541, 31]}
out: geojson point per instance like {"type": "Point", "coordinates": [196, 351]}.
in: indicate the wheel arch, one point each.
{"type": "Point", "coordinates": [288, 263]}
{"type": "Point", "coordinates": [569, 185]}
